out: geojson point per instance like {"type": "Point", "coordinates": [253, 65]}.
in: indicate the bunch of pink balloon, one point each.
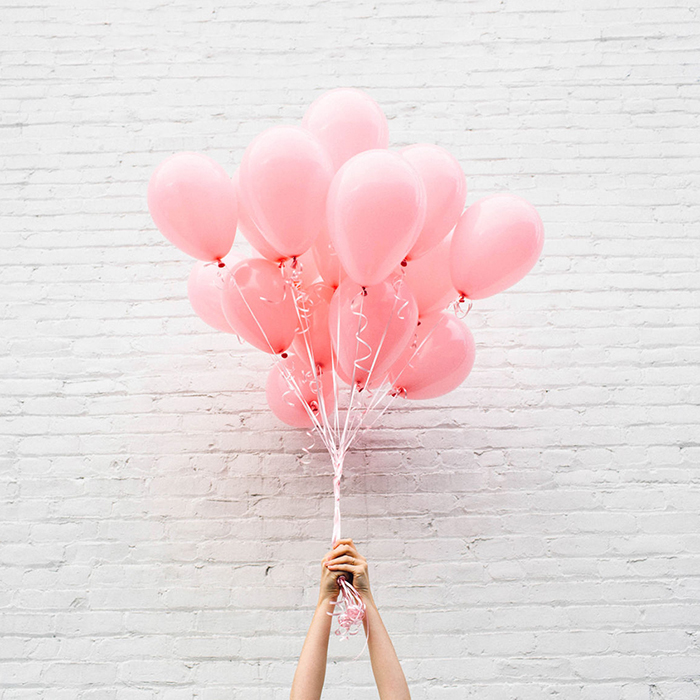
{"type": "Point", "coordinates": [361, 250]}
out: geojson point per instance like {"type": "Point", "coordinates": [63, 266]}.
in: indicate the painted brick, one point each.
{"type": "Point", "coordinates": [533, 534]}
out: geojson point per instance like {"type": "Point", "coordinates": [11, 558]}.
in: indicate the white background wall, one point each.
{"type": "Point", "coordinates": [535, 534]}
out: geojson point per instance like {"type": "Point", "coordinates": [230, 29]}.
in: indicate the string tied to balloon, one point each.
{"type": "Point", "coordinates": [459, 308]}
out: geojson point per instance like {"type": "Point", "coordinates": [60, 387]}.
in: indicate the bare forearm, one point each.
{"type": "Point", "coordinates": [311, 669]}
{"type": "Point", "coordinates": [388, 674]}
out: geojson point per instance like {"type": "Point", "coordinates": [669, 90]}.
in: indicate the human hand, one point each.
{"type": "Point", "coordinates": [344, 560]}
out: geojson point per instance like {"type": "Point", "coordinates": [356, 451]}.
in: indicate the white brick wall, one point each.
{"type": "Point", "coordinates": [535, 534]}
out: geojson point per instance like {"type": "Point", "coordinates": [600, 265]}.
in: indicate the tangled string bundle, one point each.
{"type": "Point", "coordinates": [366, 263]}
{"type": "Point", "coordinates": [350, 610]}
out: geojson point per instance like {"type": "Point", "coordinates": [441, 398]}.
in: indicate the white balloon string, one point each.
{"type": "Point", "coordinates": [291, 382]}
{"type": "Point", "coordinates": [403, 303]}
{"type": "Point", "coordinates": [415, 352]}
{"type": "Point", "coordinates": [457, 307]}
{"type": "Point", "coordinates": [353, 388]}
{"type": "Point", "coordinates": [306, 449]}
{"type": "Point", "coordinates": [303, 311]}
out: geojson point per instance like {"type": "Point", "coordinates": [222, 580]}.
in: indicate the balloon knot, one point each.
{"type": "Point", "coordinates": [284, 355]}
{"type": "Point", "coordinates": [364, 291]}
{"type": "Point", "coordinates": [404, 262]}
{"type": "Point", "coordinates": [221, 262]}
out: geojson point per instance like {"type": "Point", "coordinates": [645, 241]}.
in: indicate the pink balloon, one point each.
{"type": "Point", "coordinates": [429, 278]}
{"type": "Point", "coordinates": [369, 331]}
{"type": "Point", "coordinates": [309, 271]}
{"type": "Point", "coordinates": [438, 361]}
{"type": "Point", "coordinates": [327, 260]}
{"type": "Point", "coordinates": [193, 204]}
{"type": "Point", "coordinates": [247, 226]}
{"type": "Point", "coordinates": [259, 306]}
{"type": "Point", "coordinates": [495, 244]}
{"type": "Point", "coordinates": [376, 209]}
{"type": "Point", "coordinates": [204, 289]}
{"type": "Point", "coordinates": [285, 175]}
{"type": "Point", "coordinates": [347, 121]}
{"type": "Point", "coordinates": [446, 193]}
{"type": "Point", "coordinates": [293, 390]}
{"type": "Point", "coordinates": [231, 259]}
{"type": "Point", "coordinates": [317, 337]}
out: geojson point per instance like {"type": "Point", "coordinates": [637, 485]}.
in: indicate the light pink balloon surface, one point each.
{"type": "Point", "coordinates": [193, 204]}
{"type": "Point", "coordinates": [429, 278]}
{"type": "Point", "coordinates": [495, 244]}
{"type": "Point", "coordinates": [259, 306]}
{"type": "Point", "coordinates": [445, 189]}
{"type": "Point", "coordinates": [370, 331]}
{"type": "Point", "coordinates": [316, 337]}
{"type": "Point", "coordinates": [204, 289]}
{"type": "Point", "coordinates": [327, 260]}
{"type": "Point", "coordinates": [292, 390]}
{"type": "Point", "coordinates": [284, 177]}
{"type": "Point", "coordinates": [247, 226]}
{"type": "Point", "coordinates": [376, 209]}
{"type": "Point", "coordinates": [438, 361]}
{"type": "Point", "coordinates": [309, 271]}
{"type": "Point", "coordinates": [347, 121]}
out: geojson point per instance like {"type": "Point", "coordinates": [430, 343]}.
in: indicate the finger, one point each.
{"type": "Point", "coordinates": [345, 549]}
{"type": "Point", "coordinates": [347, 569]}
{"type": "Point", "coordinates": [347, 559]}
{"type": "Point", "coordinates": [338, 549]}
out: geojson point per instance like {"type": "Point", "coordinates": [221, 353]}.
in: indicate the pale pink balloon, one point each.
{"type": "Point", "coordinates": [376, 209]}
{"type": "Point", "coordinates": [495, 244]}
{"type": "Point", "coordinates": [370, 330]}
{"type": "Point", "coordinates": [193, 204]}
{"type": "Point", "coordinates": [347, 121]}
{"type": "Point", "coordinates": [204, 289]}
{"type": "Point", "coordinates": [231, 259]}
{"type": "Point", "coordinates": [429, 278]}
{"type": "Point", "coordinates": [437, 361]}
{"type": "Point", "coordinates": [284, 176]}
{"type": "Point", "coordinates": [309, 271]}
{"type": "Point", "coordinates": [445, 189]}
{"type": "Point", "coordinates": [293, 391]}
{"type": "Point", "coordinates": [316, 338]}
{"type": "Point", "coordinates": [247, 226]}
{"type": "Point", "coordinates": [327, 261]}
{"type": "Point", "coordinates": [259, 306]}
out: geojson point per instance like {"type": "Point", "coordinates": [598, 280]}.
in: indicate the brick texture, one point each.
{"type": "Point", "coordinates": [535, 534]}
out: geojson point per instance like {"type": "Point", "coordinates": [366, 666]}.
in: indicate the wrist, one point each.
{"type": "Point", "coordinates": [326, 599]}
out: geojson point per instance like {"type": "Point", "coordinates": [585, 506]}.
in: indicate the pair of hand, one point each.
{"type": "Point", "coordinates": [344, 560]}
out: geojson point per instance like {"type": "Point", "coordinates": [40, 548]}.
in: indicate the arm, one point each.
{"type": "Point", "coordinates": [388, 674]}
{"type": "Point", "coordinates": [311, 669]}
